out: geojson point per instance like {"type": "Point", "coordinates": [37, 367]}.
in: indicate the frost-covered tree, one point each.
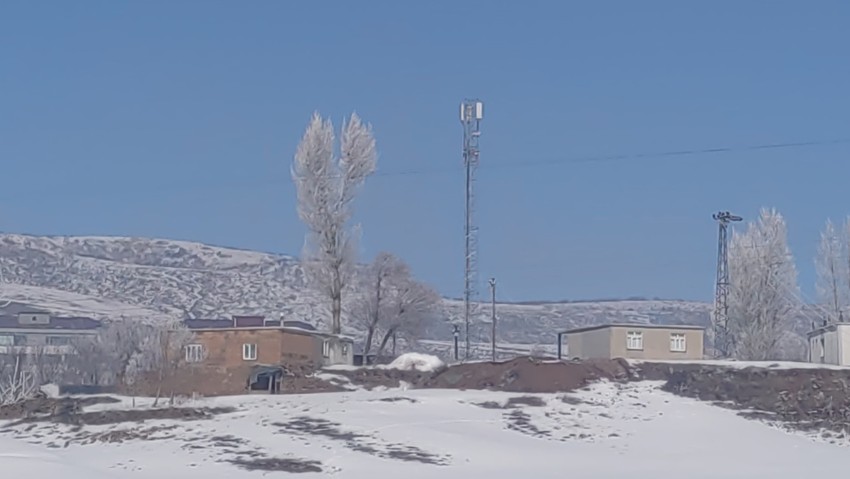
{"type": "Point", "coordinates": [326, 186]}
{"type": "Point", "coordinates": [831, 264]}
{"type": "Point", "coordinates": [18, 384]}
{"type": "Point", "coordinates": [374, 295]}
{"type": "Point", "coordinates": [763, 293]}
{"type": "Point", "coordinates": [408, 304]}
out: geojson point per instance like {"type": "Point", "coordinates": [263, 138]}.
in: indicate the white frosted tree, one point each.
{"type": "Point", "coordinates": [326, 186]}
{"type": "Point", "coordinates": [763, 293]}
{"type": "Point", "coordinates": [374, 295]}
{"type": "Point", "coordinates": [408, 304]}
{"type": "Point", "coordinates": [831, 265]}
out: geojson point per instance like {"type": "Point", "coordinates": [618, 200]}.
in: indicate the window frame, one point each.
{"type": "Point", "coordinates": [57, 340]}
{"type": "Point", "coordinates": [194, 357]}
{"type": "Point", "coordinates": [674, 343]}
{"type": "Point", "coordinates": [247, 349]}
{"type": "Point", "coordinates": [634, 344]}
{"type": "Point", "coordinates": [326, 348]}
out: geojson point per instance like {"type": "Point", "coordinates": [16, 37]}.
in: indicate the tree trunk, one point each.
{"type": "Point", "coordinates": [336, 303]}
{"type": "Point", "coordinates": [389, 334]}
{"type": "Point", "coordinates": [367, 345]}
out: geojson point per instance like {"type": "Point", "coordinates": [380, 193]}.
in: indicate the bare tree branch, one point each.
{"type": "Point", "coordinates": [831, 286]}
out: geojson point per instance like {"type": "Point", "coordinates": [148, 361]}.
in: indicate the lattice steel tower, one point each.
{"type": "Point", "coordinates": [721, 294]}
{"type": "Point", "coordinates": [471, 114]}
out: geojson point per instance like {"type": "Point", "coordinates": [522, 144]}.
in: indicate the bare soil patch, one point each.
{"type": "Point", "coordinates": [45, 406]}
{"type": "Point", "coordinates": [528, 375]}
{"type": "Point", "coordinates": [800, 399]}
{"type": "Point", "coordinates": [514, 402]}
{"type": "Point", "coordinates": [99, 418]}
{"type": "Point", "coordinates": [359, 442]}
{"type": "Point", "coordinates": [277, 464]}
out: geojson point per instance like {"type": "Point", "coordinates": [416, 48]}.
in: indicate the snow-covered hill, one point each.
{"type": "Point", "coordinates": [607, 431]}
{"type": "Point", "coordinates": [138, 278]}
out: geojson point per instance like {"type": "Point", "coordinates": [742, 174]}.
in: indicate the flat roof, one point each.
{"type": "Point", "coordinates": [827, 327]}
{"type": "Point", "coordinates": [285, 329]}
{"type": "Point", "coordinates": [633, 325]}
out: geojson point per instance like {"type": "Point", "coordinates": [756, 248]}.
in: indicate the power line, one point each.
{"type": "Point", "coordinates": [620, 157]}
{"type": "Point", "coordinates": [249, 183]}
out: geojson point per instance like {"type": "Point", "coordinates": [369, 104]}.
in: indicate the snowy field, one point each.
{"type": "Point", "coordinates": [606, 431]}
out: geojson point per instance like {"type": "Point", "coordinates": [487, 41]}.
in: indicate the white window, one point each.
{"type": "Point", "coordinates": [194, 353]}
{"type": "Point", "coordinates": [345, 349]}
{"type": "Point", "coordinates": [634, 340]}
{"type": "Point", "coordinates": [677, 343]}
{"type": "Point", "coordinates": [249, 352]}
{"type": "Point", "coordinates": [7, 340]}
{"type": "Point", "coordinates": [326, 349]}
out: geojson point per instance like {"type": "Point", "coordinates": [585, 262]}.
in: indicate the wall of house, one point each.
{"type": "Point", "coordinates": [340, 351]}
{"type": "Point", "coordinates": [656, 343]}
{"type": "Point", "coordinates": [843, 340]}
{"type": "Point", "coordinates": [826, 347]}
{"type": "Point", "coordinates": [588, 344]}
{"type": "Point", "coordinates": [300, 348]}
{"type": "Point", "coordinates": [24, 341]}
{"type": "Point", "coordinates": [224, 348]}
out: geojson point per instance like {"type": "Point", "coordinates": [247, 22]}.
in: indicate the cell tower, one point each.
{"type": "Point", "coordinates": [721, 296]}
{"type": "Point", "coordinates": [471, 114]}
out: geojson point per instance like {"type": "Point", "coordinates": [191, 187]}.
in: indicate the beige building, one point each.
{"type": "Point", "coordinates": [632, 341]}
{"type": "Point", "coordinates": [830, 344]}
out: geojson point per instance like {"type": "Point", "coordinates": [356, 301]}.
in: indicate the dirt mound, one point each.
{"type": "Point", "coordinates": [528, 375]}
{"type": "Point", "coordinates": [370, 377]}
{"type": "Point", "coordinates": [804, 399]}
{"type": "Point", "coordinates": [46, 406]}
{"type": "Point", "coordinates": [69, 410]}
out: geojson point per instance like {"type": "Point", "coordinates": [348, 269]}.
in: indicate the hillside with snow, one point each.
{"type": "Point", "coordinates": [137, 278]}
{"type": "Point", "coordinates": [156, 279]}
{"type": "Point", "coordinates": [607, 430]}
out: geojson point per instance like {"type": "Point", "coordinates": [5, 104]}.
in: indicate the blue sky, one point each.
{"type": "Point", "coordinates": [179, 120]}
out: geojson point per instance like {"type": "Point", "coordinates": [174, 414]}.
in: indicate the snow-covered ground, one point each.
{"type": "Point", "coordinates": [607, 431]}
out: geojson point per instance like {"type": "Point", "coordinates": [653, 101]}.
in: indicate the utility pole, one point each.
{"type": "Point", "coordinates": [471, 114]}
{"type": "Point", "coordinates": [493, 316]}
{"type": "Point", "coordinates": [456, 333]}
{"type": "Point", "coordinates": [721, 296]}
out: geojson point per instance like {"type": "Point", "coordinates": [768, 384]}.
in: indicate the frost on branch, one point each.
{"type": "Point", "coordinates": [372, 302]}
{"type": "Point", "coordinates": [326, 186]}
{"type": "Point", "coordinates": [19, 384]}
{"type": "Point", "coordinates": [831, 267]}
{"type": "Point", "coordinates": [408, 304]}
{"type": "Point", "coordinates": [763, 293]}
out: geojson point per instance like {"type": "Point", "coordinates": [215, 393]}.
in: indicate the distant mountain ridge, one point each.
{"type": "Point", "coordinates": [158, 279]}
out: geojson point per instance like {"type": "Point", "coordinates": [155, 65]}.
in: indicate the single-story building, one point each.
{"type": "Point", "coordinates": [248, 353]}
{"type": "Point", "coordinates": [830, 344]}
{"type": "Point", "coordinates": [252, 340]}
{"type": "Point", "coordinates": [39, 332]}
{"type": "Point", "coordinates": [632, 341]}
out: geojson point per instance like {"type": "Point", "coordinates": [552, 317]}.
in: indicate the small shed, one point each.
{"type": "Point", "coordinates": [830, 344]}
{"type": "Point", "coordinates": [265, 379]}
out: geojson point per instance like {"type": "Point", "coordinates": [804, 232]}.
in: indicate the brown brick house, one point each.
{"type": "Point", "coordinates": [247, 341]}
{"type": "Point", "coordinates": [222, 352]}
